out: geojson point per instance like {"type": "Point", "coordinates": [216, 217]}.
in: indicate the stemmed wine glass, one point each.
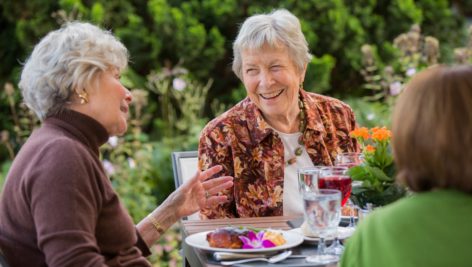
{"type": "Point", "coordinates": [349, 160]}
{"type": "Point", "coordinates": [335, 177]}
{"type": "Point", "coordinates": [323, 214]}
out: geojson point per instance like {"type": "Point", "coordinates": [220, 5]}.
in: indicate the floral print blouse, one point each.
{"type": "Point", "coordinates": [252, 152]}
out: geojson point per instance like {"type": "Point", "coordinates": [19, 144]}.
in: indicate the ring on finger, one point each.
{"type": "Point", "coordinates": [207, 195]}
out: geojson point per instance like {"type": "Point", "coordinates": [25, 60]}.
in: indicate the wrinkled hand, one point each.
{"type": "Point", "coordinates": [197, 193]}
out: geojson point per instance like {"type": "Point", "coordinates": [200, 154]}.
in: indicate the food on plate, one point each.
{"type": "Point", "coordinates": [276, 237]}
{"type": "Point", "coordinates": [347, 210]}
{"type": "Point", "coordinates": [243, 238]}
{"type": "Point", "coordinates": [227, 237]}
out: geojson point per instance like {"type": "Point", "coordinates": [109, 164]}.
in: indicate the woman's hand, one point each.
{"type": "Point", "coordinates": [197, 193]}
{"type": "Point", "coordinates": [189, 198]}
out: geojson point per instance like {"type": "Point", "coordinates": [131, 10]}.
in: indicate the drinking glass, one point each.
{"type": "Point", "coordinates": [335, 177]}
{"type": "Point", "coordinates": [323, 214]}
{"type": "Point", "coordinates": [349, 159]}
{"type": "Point", "coordinates": [308, 179]}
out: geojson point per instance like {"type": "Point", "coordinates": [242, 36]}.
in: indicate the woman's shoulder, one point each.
{"type": "Point", "coordinates": [324, 101]}
{"type": "Point", "coordinates": [235, 115]}
{"type": "Point", "coordinates": [53, 151]}
{"type": "Point", "coordinates": [50, 140]}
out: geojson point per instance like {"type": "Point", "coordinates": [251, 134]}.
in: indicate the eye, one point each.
{"type": "Point", "coordinates": [276, 67]}
{"type": "Point", "coordinates": [251, 71]}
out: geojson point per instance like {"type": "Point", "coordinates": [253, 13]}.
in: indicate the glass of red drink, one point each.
{"type": "Point", "coordinates": [335, 177]}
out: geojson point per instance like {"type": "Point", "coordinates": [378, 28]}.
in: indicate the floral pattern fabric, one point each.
{"type": "Point", "coordinates": [251, 151]}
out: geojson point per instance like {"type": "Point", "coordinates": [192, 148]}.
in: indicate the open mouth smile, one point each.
{"type": "Point", "coordinates": [124, 109]}
{"type": "Point", "coordinates": [273, 95]}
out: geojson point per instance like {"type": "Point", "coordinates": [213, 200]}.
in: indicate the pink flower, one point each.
{"type": "Point", "coordinates": [254, 240]}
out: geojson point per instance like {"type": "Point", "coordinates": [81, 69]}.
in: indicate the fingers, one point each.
{"type": "Point", "coordinates": [216, 185]}
{"type": "Point", "coordinates": [215, 200]}
{"type": "Point", "coordinates": [210, 172]}
{"type": "Point", "coordinates": [202, 176]}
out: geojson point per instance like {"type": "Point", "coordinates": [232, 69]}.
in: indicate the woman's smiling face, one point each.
{"type": "Point", "coordinates": [271, 79]}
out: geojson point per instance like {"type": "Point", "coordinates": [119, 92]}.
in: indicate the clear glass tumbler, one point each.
{"type": "Point", "coordinates": [323, 214]}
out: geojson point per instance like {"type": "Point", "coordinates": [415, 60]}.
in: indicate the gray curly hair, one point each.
{"type": "Point", "coordinates": [65, 61]}
{"type": "Point", "coordinates": [273, 29]}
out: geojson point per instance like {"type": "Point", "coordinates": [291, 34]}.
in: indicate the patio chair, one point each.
{"type": "Point", "coordinates": [185, 165]}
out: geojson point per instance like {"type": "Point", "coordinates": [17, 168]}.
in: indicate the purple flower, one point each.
{"type": "Point", "coordinates": [113, 141]}
{"type": "Point", "coordinates": [410, 72]}
{"type": "Point", "coordinates": [396, 88]}
{"type": "Point", "coordinates": [109, 168]}
{"type": "Point", "coordinates": [254, 240]}
{"type": "Point", "coordinates": [179, 84]}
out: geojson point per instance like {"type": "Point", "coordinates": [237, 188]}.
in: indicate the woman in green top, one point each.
{"type": "Point", "coordinates": [432, 144]}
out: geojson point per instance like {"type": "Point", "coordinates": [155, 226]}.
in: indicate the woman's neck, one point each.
{"type": "Point", "coordinates": [285, 123]}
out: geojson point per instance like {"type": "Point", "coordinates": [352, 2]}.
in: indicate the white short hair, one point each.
{"type": "Point", "coordinates": [279, 27]}
{"type": "Point", "coordinates": [68, 60]}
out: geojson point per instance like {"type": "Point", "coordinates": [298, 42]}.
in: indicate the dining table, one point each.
{"type": "Point", "coordinates": [196, 257]}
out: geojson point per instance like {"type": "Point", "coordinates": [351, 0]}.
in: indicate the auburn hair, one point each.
{"type": "Point", "coordinates": [432, 130]}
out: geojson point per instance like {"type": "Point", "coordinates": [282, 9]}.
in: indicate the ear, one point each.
{"type": "Point", "coordinates": [302, 73]}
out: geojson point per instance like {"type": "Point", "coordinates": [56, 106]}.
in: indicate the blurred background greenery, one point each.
{"type": "Point", "coordinates": [180, 71]}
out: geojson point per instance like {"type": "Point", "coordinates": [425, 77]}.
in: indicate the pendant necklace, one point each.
{"type": "Point", "coordinates": [299, 150]}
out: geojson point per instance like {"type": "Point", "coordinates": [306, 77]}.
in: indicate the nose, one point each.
{"type": "Point", "coordinates": [266, 79]}
{"type": "Point", "coordinates": [128, 96]}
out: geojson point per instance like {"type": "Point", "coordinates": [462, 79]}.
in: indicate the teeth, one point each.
{"type": "Point", "coordinates": [271, 95]}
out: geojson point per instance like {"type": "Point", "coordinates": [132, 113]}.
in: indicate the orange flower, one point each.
{"type": "Point", "coordinates": [381, 134]}
{"type": "Point", "coordinates": [361, 132]}
{"type": "Point", "coordinates": [369, 148]}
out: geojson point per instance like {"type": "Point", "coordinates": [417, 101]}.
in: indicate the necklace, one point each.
{"type": "Point", "coordinates": [302, 116]}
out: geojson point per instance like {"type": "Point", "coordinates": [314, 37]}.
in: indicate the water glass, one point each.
{"type": "Point", "coordinates": [308, 179]}
{"type": "Point", "coordinates": [323, 214]}
{"type": "Point", "coordinates": [349, 159]}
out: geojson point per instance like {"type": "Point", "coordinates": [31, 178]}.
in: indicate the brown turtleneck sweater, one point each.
{"type": "Point", "coordinates": [58, 207]}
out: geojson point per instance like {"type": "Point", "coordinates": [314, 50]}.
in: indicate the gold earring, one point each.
{"type": "Point", "coordinates": [83, 97]}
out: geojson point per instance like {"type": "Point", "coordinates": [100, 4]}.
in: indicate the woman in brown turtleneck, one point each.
{"type": "Point", "coordinates": [58, 207]}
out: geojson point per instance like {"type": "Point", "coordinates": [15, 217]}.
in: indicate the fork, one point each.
{"type": "Point", "coordinates": [279, 257]}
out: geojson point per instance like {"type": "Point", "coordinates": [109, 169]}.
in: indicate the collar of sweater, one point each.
{"type": "Point", "coordinates": [85, 128]}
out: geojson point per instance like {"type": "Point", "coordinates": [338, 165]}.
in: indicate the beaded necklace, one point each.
{"type": "Point", "coordinates": [302, 116]}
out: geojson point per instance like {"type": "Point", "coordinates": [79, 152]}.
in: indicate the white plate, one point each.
{"type": "Point", "coordinates": [198, 240]}
{"type": "Point", "coordinates": [343, 233]}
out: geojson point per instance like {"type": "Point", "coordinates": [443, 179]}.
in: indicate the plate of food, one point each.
{"type": "Point", "coordinates": [244, 240]}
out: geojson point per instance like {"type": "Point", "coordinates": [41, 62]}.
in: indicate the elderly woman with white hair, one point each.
{"type": "Point", "coordinates": [58, 207]}
{"type": "Point", "coordinates": [278, 128]}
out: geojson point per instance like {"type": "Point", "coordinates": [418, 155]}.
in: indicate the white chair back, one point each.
{"type": "Point", "coordinates": [185, 166]}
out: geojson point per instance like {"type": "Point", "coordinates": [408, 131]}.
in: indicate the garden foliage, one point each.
{"type": "Point", "coordinates": [180, 70]}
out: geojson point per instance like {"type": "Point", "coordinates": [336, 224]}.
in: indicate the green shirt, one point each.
{"type": "Point", "coordinates": [426, 229]}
